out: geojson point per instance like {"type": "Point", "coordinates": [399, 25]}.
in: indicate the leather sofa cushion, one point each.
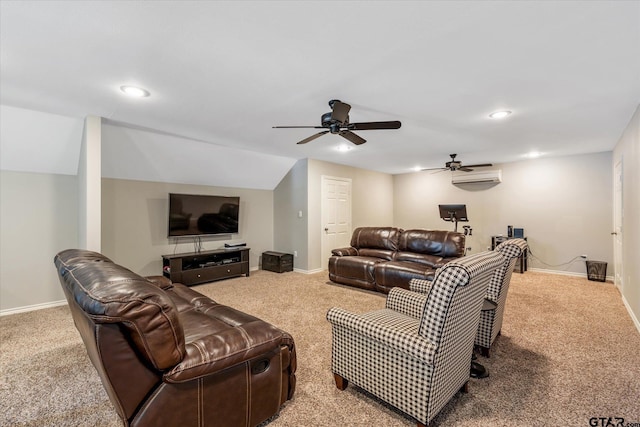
{"type": "Point", "coordinates": [399, 273]}
{"type": "Point", "coordinates": [433, 242]}
{"type": "Point", "coordinates": [383, 254]}
{"type": "Point", "coordinates": [432, 261]}
{"type": "Point", "coordinates": [376, 238]}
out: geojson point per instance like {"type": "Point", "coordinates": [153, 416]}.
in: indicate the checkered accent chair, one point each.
{"type": "Point", "coordinates": [491, 320]}
{"type": "Point", "coordinates": [415, 353]}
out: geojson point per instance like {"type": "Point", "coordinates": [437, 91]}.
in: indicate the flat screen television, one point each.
{"type": "Point", "coordinates": [202, 215]}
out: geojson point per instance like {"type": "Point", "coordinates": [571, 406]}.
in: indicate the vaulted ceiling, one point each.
{"type": "Point", "coordinates": [224, 73]}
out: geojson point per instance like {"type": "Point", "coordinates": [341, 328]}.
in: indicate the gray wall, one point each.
{"type": "Point", "coordinates": [134, 229]}
{"type": "Point", "coordinates": [372, 201]}
{"type": "Point", "coordinates": [372, 204]}
{"type": "Point", "coordinates": [290, 231]}
{"type": "Point", "coordinates": [564, 205]}
{"type": "Point", "coordinates": [38, 218]}
{"type": "Point", "coordinates": [628, 150]}
{"type": "Point", "coordinates": [134, 222]}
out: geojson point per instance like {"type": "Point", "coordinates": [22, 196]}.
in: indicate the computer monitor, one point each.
{"type": "Point", "coordinates": [454, 213]}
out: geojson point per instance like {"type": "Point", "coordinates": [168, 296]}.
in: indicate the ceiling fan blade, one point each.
{"type": "Point", "coordinates": [352, 137]}
{"type": "Point", "coordinates": [434, 169]}
{"type": "Point", "coordinates": [478, 166]}
{"type": "Point", "coordinates": [375, 125]}
{"type": "Point", "coordinates": [312, 137]}
{"type": "Point", "coordinates": [296, 127]}
{"type": "Point", "coordinates": [340, 111]}
{"type": "Point", "coordinates": [464, 169]}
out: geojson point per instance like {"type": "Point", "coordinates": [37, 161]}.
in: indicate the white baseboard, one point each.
{"type": "Point", "coordinates": [32, 307]}
{"type": "Point", "coordinates": [565, 273]}
{"type": "Point", "coordinates": [634, 319]}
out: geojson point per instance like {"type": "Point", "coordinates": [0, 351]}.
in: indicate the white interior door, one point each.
{"type": "Point", "coordinates": [336, 215]}
{"type": "Point", "coordinates": [617, 225]}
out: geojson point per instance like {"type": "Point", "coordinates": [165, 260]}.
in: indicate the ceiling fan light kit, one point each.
{"type": "Point", "coordinates": [337, 122]}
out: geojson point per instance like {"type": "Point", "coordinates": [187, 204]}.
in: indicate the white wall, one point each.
{"type": "Point", "coordinates": [564, 205]}
{"type": "Point", "coordinates": [628, 150]}
{"type": "Point", "coordinates": [31, 141]}
{"type": "Point", "coordinates": [89, 186]}
{"type": "Point", "coordinates": [147, 155]}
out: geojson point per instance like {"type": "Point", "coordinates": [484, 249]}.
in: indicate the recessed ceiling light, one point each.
{"type": "Point", "coordinates": [344, 147]}
{"type": "Point", "coordinates": [499, 114]}
{"type": "Point", "coordinates": [136, 92]}
{"type": "Point", "coordinates": [534, 154]}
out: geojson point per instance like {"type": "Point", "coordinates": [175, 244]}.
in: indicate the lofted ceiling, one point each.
{"type": "Point", "coordinates": [224, 73]}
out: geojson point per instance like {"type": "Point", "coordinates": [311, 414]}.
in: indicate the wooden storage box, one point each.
{"type": "Point", "coordinates": [277, 261]}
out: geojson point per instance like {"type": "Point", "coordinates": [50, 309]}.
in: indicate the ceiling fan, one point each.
{"type": "Point", "coordinates": [456, 165]}
{"type": "Point", "coordinates": [337, 122]}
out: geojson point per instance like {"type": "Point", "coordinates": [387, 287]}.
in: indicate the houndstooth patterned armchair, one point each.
{"type": "Point", "coordinates": [491, 320]}
{"type": "Point", "coordinates": [415, 353]}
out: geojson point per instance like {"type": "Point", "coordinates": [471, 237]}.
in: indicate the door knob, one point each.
{"type": "Point", "coordinates": [613, 233]}
{"type": "Point", "coordinates": [326, 229]}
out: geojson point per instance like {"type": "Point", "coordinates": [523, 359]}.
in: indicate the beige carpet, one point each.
{"type": "Point", "coordinates": [568, 352]}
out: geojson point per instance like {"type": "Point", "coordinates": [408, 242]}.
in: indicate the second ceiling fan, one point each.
{"type": "Point", "coordinates": [456, 165]}
{"type": "Point", "coordinates": [337, 122]}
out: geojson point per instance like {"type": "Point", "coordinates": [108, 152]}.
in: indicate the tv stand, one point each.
{"type": "Point", "coordinates": [207, 266]}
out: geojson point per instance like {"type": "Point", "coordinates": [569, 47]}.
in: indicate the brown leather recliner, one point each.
{"type": "Point", "coordinates": [420, 253]}
{"type": "Point", "coordinates": [381, 258]}
{"type": "Point", "coordinates": [369, 246]}
{"type": "Point", "coordinates": [169, 356]}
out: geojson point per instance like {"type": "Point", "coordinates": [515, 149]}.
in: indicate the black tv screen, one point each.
{"type": "Point", "coordinates": [453, 212]}
{"type": "Point", "coordinates": [198, 215]}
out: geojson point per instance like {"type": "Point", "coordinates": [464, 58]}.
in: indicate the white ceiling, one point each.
{"type": "Point", "coordinates": [226, 72]}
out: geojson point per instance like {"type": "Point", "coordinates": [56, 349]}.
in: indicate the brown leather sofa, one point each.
{"type": "Point", "coordinates": [169, 356]}
{"type": "Point", "coordinates": [381, 258]}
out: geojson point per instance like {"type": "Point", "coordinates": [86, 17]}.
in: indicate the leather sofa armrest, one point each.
{"type": "Point", "coordinates": [350, 251]}
{"type": "Point", "coordinates": [420, 285]}
{"type": "Point", "coordinates": [406, 302]}
{"type": "Point", "coordinates": [160, 281]}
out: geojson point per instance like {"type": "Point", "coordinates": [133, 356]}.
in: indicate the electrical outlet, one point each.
{"type": "Point", "coordinates": [295, 253]}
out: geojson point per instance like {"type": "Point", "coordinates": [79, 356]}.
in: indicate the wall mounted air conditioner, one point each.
{"type": "Point", "coordinates": [477, 176]}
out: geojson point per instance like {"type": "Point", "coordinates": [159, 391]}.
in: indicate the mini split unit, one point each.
{"type": "Point", "coordinates": [474, 177]}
